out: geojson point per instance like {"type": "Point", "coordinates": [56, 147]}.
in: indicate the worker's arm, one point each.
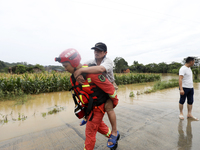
{"type": "Point", "coordinates": [180, 85]}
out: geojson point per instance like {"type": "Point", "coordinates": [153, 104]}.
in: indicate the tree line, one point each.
{"type": "Point", "coordinates": [23, 67]}
{"type": "Point", "coordinates": [120, 64]}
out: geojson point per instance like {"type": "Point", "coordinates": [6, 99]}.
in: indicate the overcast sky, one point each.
{"type": "Point", "coordinates": [147, 31]}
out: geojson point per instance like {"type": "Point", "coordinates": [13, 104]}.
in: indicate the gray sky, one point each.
{"type": "Point", "coordinates": [37, 31]}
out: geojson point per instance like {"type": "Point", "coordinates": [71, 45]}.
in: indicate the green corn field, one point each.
{"type": "Point", "coordinates": [35, 83]}
{"type": "Point", "coordinates": [122, 79]}
{"type": "Point", "coordinates": [16, 85]}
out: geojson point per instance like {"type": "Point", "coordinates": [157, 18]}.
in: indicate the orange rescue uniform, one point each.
{"type": "Point", "coordinates": [97, 123]}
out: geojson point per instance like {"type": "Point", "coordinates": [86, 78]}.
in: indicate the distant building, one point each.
{"type": "Point", "coordinates": [58, 70]}
{"type": "Point", "coordinates": [127, 70]}
{"type": "Point", "coordinates": [10, 70]}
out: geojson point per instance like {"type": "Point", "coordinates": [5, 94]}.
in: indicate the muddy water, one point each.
{"type": "Point", "coordinates": [32, 110]}
{"type": "Point", "coordinates": [31, 116]}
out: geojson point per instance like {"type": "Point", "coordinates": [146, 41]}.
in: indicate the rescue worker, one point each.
{"type": "Point", "coordinates": [94, 83]}
{"type": "Point", "coordinates": [101, 64]}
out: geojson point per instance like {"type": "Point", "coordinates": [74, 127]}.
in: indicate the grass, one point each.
{"type": "Point", "coordinates": [131, 94]}
{"type": "Point", "coordinates": [163, 85]}
{"type": "Point", "coordinates": [55, 110]}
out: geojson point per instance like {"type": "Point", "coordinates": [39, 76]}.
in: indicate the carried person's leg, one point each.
{"type": "Point", "coordinates": [112, 118]}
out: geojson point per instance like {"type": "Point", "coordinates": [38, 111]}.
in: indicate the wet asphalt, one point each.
{"type": "Point", "coordinates": [143, 125]}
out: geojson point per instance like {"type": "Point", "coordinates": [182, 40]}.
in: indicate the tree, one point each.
{"type": "Point", "coordinates": [152, 68]}
{"type": "Point", "coordinates": [136, 67]}
{"type": "Point", "coordinates": [120, 64]}
{"type": "Point", "coordinates": [162, 68]}
{"type": "Point", "coordinates": [20, 69]}
{"type": "Point", "coordinates": [172, 66]}
{"type": "Point", "coordinates": [39, 67]}
{"type": "Point", "coordinates": [2, 64]}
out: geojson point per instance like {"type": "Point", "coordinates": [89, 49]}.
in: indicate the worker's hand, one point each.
{"type": "Point", "coordinates": [77, 73]}
{"type": "Point", "coordinates": [80, 79]}
{"type": "Point", "coordinates": [182, 92]}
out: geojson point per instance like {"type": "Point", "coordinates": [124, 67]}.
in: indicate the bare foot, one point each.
{"type": "Point", "coordinates": [181, 117]}
{"type": "Point", "coordinates": [193, 118]}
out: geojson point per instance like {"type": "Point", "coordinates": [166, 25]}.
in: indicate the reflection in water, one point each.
{"type": "Point", "coordinates": [185, 141]}
{"type": "Point", "coordinates": [168, 76]}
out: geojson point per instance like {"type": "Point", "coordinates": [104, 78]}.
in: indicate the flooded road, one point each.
{"type": "Point", "coordinates": [145, 121]}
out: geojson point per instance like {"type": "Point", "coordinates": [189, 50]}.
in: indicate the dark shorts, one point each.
{"type": "Point", "coordinates": [189, 92]}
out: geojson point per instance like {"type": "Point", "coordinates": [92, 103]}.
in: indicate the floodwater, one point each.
{"type": "Point", "coordinates": [33, 110]}
{"type": "Point", "coordinates": [34, 119]}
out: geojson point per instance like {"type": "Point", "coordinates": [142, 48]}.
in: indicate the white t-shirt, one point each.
{"type": "Point", "coordinates": [108, 64]}
{"type": "Point", "coordinates": [187, 81]}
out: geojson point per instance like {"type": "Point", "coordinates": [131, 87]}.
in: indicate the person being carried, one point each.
{"type": "Point", "coordinates": [101, 64]}
{"type": "Point", "coordinates": [92, 96]}
{"type": "Point", "coordinates": [186, 88]}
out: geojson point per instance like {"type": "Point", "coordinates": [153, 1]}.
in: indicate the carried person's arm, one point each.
{"type": "Point", "coordinates": [180, 85]}
{"type": "Point", "coordinates": [92, 69]}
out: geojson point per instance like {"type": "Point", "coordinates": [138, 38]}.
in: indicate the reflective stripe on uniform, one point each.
{"type": "Point", "coordinates": [113, 96]}
{"type": "Point", "coordinates": [81, 98]}
{"type": "Point", "coordinates": [84, 66]}
{"type": "Point", "coordinates": [89, 80]}
{"type": "Point", "coordinates": [86, 85]}
{"type": "Point", "coordinates": [109, 133]}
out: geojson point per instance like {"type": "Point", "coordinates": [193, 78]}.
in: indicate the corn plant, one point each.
{"type": "Point", "coordinates": [122, 79]}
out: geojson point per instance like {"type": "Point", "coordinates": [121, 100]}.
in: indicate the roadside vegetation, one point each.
{"type": "Point", "coordinates": [163, 85]}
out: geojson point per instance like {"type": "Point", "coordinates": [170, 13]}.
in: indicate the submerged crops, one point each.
{"type": "Point", "coordinates": [163, 85]}
{"type": "Point", "coordinates": [17, 85]}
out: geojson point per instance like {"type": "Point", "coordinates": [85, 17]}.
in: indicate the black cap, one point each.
{"type": "Point", "coordinates": [100, 46]}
